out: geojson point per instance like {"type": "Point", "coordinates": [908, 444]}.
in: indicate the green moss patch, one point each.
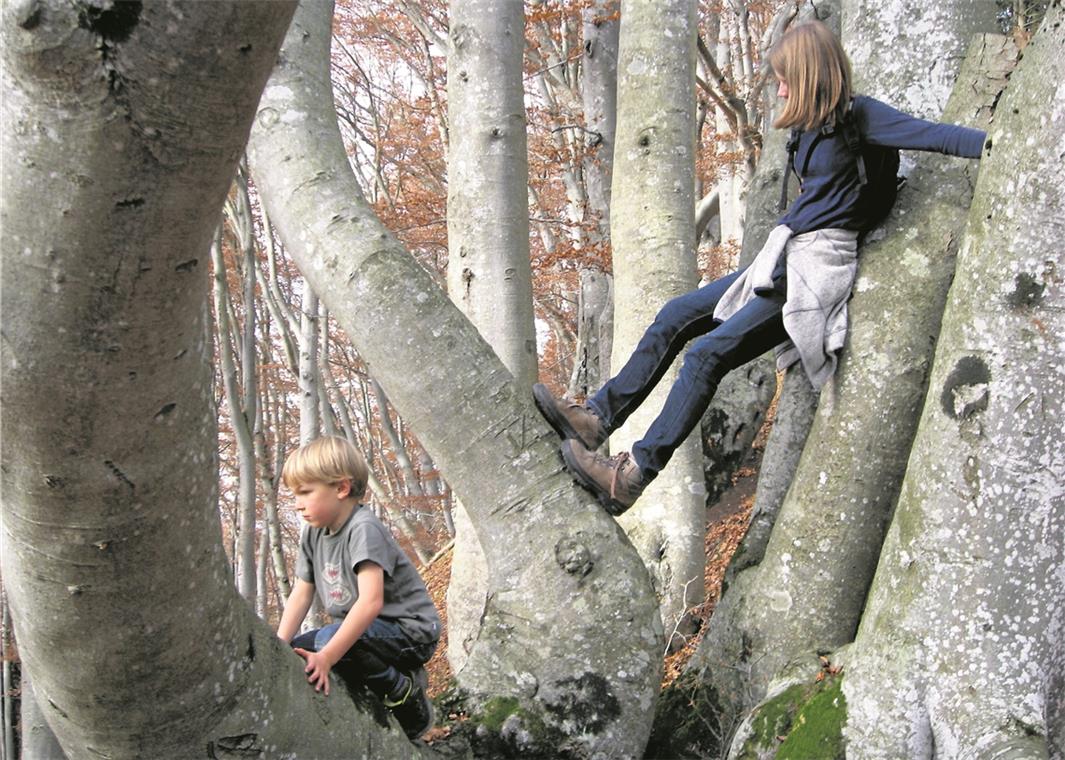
{"type": "Point", "coordinates": [496, 711]}
{"type": "Point", "coordinates": [804, 722]}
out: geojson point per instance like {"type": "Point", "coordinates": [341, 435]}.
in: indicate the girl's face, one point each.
{"type": "Point", "coordinates": [782, 89]}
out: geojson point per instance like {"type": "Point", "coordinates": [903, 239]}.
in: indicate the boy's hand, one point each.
{"type": "Point", "coordinates": [318, 666]}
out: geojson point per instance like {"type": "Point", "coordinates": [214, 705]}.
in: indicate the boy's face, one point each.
{"type": "Point", "coordinates": [323, 505]}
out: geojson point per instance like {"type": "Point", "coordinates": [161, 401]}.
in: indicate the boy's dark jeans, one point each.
{"type": "Point", "coordinates": [377, 659]}
{"type": "Point", "coordinates": [750, 332]}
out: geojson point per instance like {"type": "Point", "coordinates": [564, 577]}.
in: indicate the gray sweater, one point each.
{"type": "Point", "coordinates": [821, 266]}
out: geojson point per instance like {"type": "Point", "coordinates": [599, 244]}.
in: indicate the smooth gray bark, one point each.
{"type": "Point", "coordinates": [488, 274]}
{"type": "Point", "coordinates": [129, 123]}
{"type": "Point", "coordinates": [36, 739]}
{"type": "Point", "coordinates": [310, 403]}
{"type": "Point", "coordinates": [235, 399]}
{"type": "Point", "coordinates": [570, 628]}
{"type": "Point", "coordinates": [488, 209]}
{"type": "Point", "coordinates": [808, 590]}
{"type": "Point", "coordinates": [653, 234]}
{"type": "Point", "coordinates": [961, 650]}
{"type": "Point", "coordinates": [595, 300]}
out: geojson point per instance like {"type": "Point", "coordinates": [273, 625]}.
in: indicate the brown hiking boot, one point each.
{"type": "Point", "coordinates": [616, 481]}
{"type": "Point", "coordinates": [569, 419]}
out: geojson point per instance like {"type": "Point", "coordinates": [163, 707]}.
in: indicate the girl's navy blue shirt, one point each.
{"type": "Point", "coordinates": [829, 196]}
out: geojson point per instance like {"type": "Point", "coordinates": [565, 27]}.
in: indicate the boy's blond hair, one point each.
{"type": "Point", "coordinates": [812, 63]}
{"type": "Point", "coordinates": [328, 459]}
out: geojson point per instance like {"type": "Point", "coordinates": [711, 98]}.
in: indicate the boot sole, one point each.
{"type": "Point", "coordinates": [613, 507]}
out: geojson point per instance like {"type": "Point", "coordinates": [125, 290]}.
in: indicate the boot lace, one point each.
{"type": "Point", "coordinates": [616, 463]}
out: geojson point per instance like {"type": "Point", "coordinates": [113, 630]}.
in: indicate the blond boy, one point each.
{"type": "Point", "coordinates": [385, 626]}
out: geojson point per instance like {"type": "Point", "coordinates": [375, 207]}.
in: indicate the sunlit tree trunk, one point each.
{"type": "Point", "coordinates": [570, 628]}
{"type": "Point", "coordinates": [961, 652]}
{"type": "Point", "coordinates": [310, 404]}
{"type": "Point", "coordinates": [595, 302]}
{"type": "Point", "coordinates": [653, 234]}
{"type": "Point", "coordinates": [729, 180]}
{"type": "Point", "coordinates": [271, 412]}
{"type": "Point", "coordinates": [240, 386]}
{"type": "Point", "coordinates": [488, 272]}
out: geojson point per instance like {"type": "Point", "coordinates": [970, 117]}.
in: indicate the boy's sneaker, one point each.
{"type": "Point", "coordinates": [414, 711]}
{"type": "Point", "coordinates": [569, 419]}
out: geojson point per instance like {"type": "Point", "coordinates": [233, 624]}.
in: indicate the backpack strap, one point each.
{"type": "Point", "coordinates": [853, 136]}
{"type": "Point", "coordinates": [792, 147]}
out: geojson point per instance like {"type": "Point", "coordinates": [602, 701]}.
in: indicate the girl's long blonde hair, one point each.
{"type": "Point", "coordinates": [812, 63]}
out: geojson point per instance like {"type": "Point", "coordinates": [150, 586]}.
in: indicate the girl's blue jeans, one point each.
{"type": "Point", "coordinates": [724, 346]}
{"type": "Point", "coordinates": [377, 659]}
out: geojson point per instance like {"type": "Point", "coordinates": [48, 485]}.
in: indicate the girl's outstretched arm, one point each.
{"type": "Point", "coordinates": [880, 124]}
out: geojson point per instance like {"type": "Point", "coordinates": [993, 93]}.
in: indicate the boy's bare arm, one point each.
{"type": "Point", "coordinates": [371, 581]}
{"type": "Point", "coordinates": [296, 607]}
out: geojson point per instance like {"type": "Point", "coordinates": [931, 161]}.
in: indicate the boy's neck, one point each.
{"type": "Point", "coordinates": [347, 506]}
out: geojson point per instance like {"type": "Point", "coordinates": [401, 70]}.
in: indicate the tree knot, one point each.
{"type": "Point", "coordinates": [574, 557]}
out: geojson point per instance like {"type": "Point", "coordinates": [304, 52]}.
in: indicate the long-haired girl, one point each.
{"type": "Point", "coordinates": [793, 296]}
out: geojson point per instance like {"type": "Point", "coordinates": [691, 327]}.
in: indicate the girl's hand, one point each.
{"type": "Point", "coordinates": [318, 667]}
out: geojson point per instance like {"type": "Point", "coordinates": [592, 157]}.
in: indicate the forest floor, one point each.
{"type": "Point", "coordinates": [726, 524]}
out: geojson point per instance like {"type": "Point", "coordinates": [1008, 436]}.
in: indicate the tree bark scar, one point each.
{"type": "Point", "coordinates": [114, 24]}
{"type": "Point", "coordinates": [28, 14]}
{"type": "Point", "coordinates": [231, 747]}
{"type": "Point", "coordinates": [965, 391]}
{"type": "Point", "coordinates": [119, 474]}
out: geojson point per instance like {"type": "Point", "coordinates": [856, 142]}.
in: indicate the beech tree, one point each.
{"type": "Point", "coordinates": [653, 236]}
{"type": "Point", "coordinates": [488, 272]}
{"type": "Point", "coordinates": [130, 121]}
{"type": "Point", "coordinates": [570, 632]}
{"type": "Point", "coordinates": [976, 547]}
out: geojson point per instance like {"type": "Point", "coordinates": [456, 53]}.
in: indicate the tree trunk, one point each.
{"type": "Point", "coordinates": [960, 651]}
{"type": "Point", "coordinates": [653, 233]}
{"type": "Point", "coordinates": [570, 631]}
{"type": "Point", "coordinates": [310, 405]}
{"type": "Point", "coordinates": [488, 273]}
{"type": "Point", "coordinates": [595, 301]}
{"type": "Point", "coordinates": [729, 182]}
{"type": "Point", "coordinates": [488, 208]}
{"type": "Point", "coordinates": [36, 739]}
{"type": "Point", "coordinates": [808, 589]}
{"type": "Point", "coordinates": [129, 121]}
{"type": "Point", "coordinates": [244, 543]}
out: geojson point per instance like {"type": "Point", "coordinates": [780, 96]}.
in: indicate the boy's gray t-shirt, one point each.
{"type": "Point", "coordinates": [329, 560]}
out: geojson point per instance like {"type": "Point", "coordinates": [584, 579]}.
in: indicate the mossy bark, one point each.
{"type": "Point", "coordinates": [960, 650]}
